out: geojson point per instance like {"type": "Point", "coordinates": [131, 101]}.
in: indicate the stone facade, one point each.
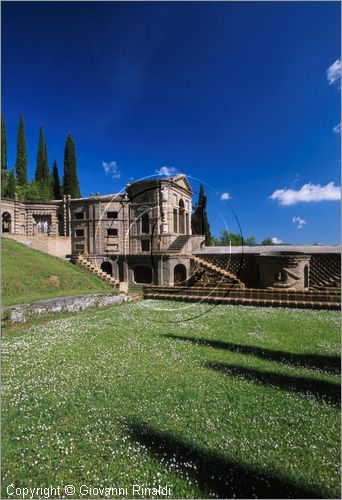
{"type": "Point", "coordinates": [135, 236]}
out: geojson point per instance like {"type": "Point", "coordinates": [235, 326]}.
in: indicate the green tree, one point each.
{"type": "Point", "coordinates": [21, 160]}
{"type": "Point", "coordinates": [250, 241]}
{"type": "Point", "coordinates": [46, 161]}
{"type": "Point", "coordinates": [32, 191]}
{"type": "Point", "coordinates": [226, 239]}
{"type": "Point", "coordinates": [11, 185]}
{"type": "Point", "coordinates": [4, 183]}
{"type": "Point", "coordinates": [4, 173]}
{"type": "Point", "coordinates": [55, 183]}
{"type": "Point", "coordinates": [42, 174]}
{"type": "Point", "coordinates": [71, 183]}
{"type": "Point", "coordinates": [3, 146]}
{"type": "Point", "coordinates": [216, 242]}
{"type": "Point", "coordinates": [199, 220]}
{"type": "Point", "coordinates": [233, 239]}
{"type": "Point", "coordinates": [267, 241]}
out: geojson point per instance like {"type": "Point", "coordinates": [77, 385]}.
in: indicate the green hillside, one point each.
{"type": "Point", "coordinates": [28, 275]}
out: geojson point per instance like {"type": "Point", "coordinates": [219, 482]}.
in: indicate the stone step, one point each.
{"type": "Point", "coordinates": [217, 269]}
{"type": "Point", "coordinates": [97, 271]}
{"type": "Point", "coordinates": [302, 304]}
{"type": "Point", "coordinates": [317, 296]}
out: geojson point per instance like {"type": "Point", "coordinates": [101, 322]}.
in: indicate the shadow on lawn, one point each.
{"type": "Point", "coordinates": [215, 474]}
{"type": "Point", "coordinates": [328, 391]}
{"type": "Point", "coordinates": [330, 364]}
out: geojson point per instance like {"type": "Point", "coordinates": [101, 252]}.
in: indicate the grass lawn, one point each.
{"type": "Point", "coordinates": [240, 402]}
{"type": "Point", "coordinates": [29, 275]}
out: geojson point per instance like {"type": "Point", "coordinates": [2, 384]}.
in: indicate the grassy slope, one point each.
{"type": "Point", "coordinates": [26, 273]}
{"type": "Point", "coordinates": [241, 401]}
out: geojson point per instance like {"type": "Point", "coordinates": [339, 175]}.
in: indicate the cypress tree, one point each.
{"type": "Point", "coordinates": [21, 161]}
{"type": "Point", "coordinates": [55, 183]}
{"type": "Point", "coordinates": [4, 174]}
{"type": "Point", "coordinates": [199, 219]}
{"type": "Point", "coordinates": [71, 183]}
{"type": "Point", "coordinates": [3, 146]}
{"type": "Point", "coordinates": [42, 175]}
{"type": "Point", "coordinates": [42, 169]}
{"type": "Point", "coordinates": [46, 162]}
{"type": "Point", "coordinates": [10, 191]}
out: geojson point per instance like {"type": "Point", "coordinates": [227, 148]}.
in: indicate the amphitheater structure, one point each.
{"type": "Point", "coordinates": [143, 238]}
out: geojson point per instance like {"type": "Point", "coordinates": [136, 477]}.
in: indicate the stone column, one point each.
{"type": "Point", "coordinates": [164, 205]}
{"type": "Point", "coordinates": [69, 214]}
{"type": "Point", "coordinates": [65, 216]}
{"type": "Point", "coordinates": [16, 218]}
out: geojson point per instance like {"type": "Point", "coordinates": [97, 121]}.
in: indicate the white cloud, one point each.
{"type": "Point", "coordinates": [334, 72]}
{"type": "Point", "coordinates": [337, 129]}
{"type": "Point", "coordinates": [308, 192]}
{"type": "Point", "coordinates": [167, 171]}
{"type": "Point", "coordinates": [225, 196]}
{"type": "Point", "coordinates": [276, 241]}
{"type": "Point", "coordinates": [111, 168]}
{"type": "Point", "coordinates": [299, 221]}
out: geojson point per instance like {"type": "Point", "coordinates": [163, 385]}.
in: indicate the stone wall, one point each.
{"type": "Point", "coordinates": [283, 271]}
{"type": "Point", "coordinates": [58, 246]}
{"type": "Point", "coordinates": [22, 312]}
{"type": "Point", "coordinates": [324, 269]}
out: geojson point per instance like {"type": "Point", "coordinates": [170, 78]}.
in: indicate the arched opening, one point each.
{"type": "Point", "coordinates": [179, 274]}
{"type": "Point", "coordinates": [42, 224]}
{"type": "Point", "coordinates": [107, 267]}
{"type": "Point", "coordinates": [145, 224]}
{"type": "Point", "coordinates": [143, 274]}
{"type": "Point", "coordinates": [306, 276]}
{"type": "Point", "coordinates": [181, 217]}
{"type": "Point", "coordinates": [6, 222]}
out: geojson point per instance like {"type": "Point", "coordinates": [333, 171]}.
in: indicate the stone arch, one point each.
{"type": "Point", "coordinates": [179, 274]}
{"type": "Point", "coordinates": [181, 217]}
{"type": "Point", "coordinates": [142, 274]}
{"type": "Point", "coordinates": [107, 267]}
{"type": "Point", "coordinates": [6, 222]}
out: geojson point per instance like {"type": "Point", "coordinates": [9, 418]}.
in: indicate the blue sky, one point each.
{"type": "Point", "coordinates": [236, 95]}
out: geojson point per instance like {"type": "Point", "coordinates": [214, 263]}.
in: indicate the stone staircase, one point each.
{"type": "Point", "coordinates": [179, 243]}
{"type": "Point", "coordinates": [327, 282]}
{"type": "Point", "coordinates": [325, 275]}
{"type": "Point", "coordinates": [107, 278]}
{"type": "Point", "coordinates": [222, 273]}
{"type": "Point", "coordinates": [247, 297]}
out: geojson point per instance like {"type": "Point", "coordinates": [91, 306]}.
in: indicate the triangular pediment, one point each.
{"type": "Point", "coordinates": [182, 182]}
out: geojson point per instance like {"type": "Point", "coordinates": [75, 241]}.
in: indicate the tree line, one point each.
{"type": "Point", "coordinates": [226, 239]}
{"type": "Point", "coordinates": [200, 225]}
{"type": "Point", "coordinates": [46, 184]}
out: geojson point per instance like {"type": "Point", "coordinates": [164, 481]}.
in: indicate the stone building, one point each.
{"type": "Point", "coordinates": [144, 236]}
{"type": "Point", "coordinates": [136, 236]}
